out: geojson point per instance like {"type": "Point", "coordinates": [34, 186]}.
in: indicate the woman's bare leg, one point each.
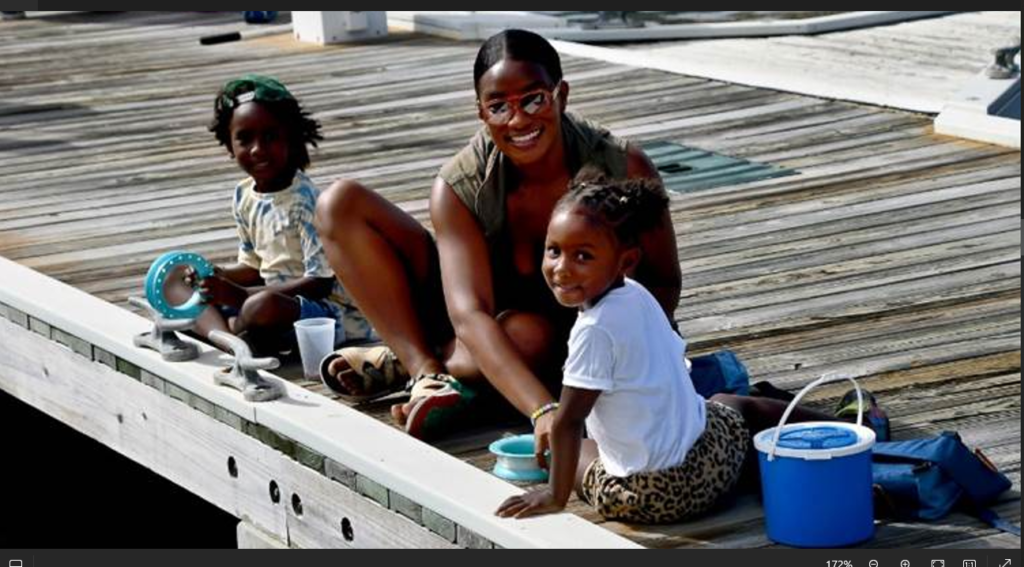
{"type": "Point", "coordinates": [381, 255]}
{"type": "Point", "coordinates": [763, 413]}
{"type": "Point", "coordinates": [533, 336]}
{"type": "Point", "coordinates": [760, 414]}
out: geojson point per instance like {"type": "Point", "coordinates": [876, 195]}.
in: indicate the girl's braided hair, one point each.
{"type": "Point", "coordinates": [629, 207]}
{"type": "Point", "coordinates": [302, 128]}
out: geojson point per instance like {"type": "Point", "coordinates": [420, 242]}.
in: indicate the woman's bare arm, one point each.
{"type": "Point", "coordinates": [658, 269]}
{"type": "Point", "coordinates": [469, 293]}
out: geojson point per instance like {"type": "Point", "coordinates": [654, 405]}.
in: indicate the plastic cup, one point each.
{"type": "Point", "coordinates": [316, 340]}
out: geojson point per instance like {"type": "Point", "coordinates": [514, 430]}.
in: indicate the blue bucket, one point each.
{"type": "Point", "coordinates": [816, 480]}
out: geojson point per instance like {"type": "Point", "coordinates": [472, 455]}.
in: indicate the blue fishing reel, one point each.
{"type": "Point", "coordinates": [156, 279]}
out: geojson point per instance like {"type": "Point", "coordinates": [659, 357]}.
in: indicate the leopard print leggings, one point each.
{"type": "Point", "coordinates": [710, 470]}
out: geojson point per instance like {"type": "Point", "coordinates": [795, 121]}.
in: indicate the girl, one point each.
{"type": "Point", "coordinates": [493, 322]}
{"type": "Point", "coordinates": [281, 275]}
{"type": "Point", "coordinates": [659, 452]}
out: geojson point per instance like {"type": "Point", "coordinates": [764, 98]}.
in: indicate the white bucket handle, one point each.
{"type": "Point", "coordinates": [792, 405]}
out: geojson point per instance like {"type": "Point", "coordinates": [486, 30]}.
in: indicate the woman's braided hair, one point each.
{"type": "Point", "coordinates": [629, 207]}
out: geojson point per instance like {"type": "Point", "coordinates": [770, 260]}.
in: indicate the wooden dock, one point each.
{"type": "Point", "coordinates": [893, 256]}
{"type": "Point", "coordinates": [916, 65]}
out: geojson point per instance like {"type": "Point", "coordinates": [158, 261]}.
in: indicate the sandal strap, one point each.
{"type": "Point", "coordinates": [430, 381]}
{"type": "Point", "coordinates": [378, 368]}
{"type": "Point", "coordinates": [432, 376]}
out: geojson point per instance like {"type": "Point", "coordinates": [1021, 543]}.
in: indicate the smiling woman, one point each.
{"type": "Point", "coordinates": [470, 312]}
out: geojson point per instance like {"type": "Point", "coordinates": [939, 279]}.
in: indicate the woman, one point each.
{"type": "Point", "coordinates": [473, 309]}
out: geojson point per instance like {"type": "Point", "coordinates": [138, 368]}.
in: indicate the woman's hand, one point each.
{"type": "Point", "coordinates": [535, 503]}
{"type": "Point", "coordinates": [542, 438]}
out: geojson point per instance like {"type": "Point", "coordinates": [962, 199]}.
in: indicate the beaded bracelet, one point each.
{"type": "Point", "coordinates": [541, 411]}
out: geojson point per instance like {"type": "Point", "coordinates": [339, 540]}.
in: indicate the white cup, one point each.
{"type": "Point", "coordinates": [316, 340]}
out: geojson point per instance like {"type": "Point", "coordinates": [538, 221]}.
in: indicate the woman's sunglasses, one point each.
{"type": "Point", "coordinates": [499, 111]}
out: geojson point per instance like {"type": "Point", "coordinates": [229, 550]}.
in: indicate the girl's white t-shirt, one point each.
{"type": "Point", "coordinates": [648, 415]}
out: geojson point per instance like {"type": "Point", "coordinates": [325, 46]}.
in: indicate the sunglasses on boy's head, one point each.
{"type": "Point", "coordinates": [499, 111]}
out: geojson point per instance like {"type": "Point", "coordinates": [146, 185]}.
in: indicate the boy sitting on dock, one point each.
{"type": "Point", "coordinates": [281, 275]}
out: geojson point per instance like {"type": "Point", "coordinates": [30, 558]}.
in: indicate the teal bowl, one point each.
{"type": "Point", "coordinates": [516, 461]}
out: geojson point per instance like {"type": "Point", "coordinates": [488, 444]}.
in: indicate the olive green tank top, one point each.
{"type": "Point", "coordinates": [482, 177]}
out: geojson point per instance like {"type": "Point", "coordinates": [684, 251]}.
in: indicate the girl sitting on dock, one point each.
{"type": "Point", "coordinates": [281, 274]}
{"type": "Point", "coordinates": [658, 451]}
{"type": "Point", "coordinates": [467, 309]}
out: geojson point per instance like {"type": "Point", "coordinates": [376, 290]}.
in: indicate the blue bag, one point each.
{"type": "Point", "coordinates": [719, 373]}
{"type": "Point", "coordinates": [924, 479]}
{"type": "Point", "coordinates": [259, 16]}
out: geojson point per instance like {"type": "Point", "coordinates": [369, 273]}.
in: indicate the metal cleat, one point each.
{"type": "Point", "coordinates": [163, 338]}
{"type": "Point", "coordinates": [244, 375]}
{"type": "Point", "coordinates": [1004, 66]}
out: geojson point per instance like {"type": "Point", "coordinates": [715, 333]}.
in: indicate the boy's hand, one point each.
{"type": "Point", "coordinates": [534, 503]}
{"type": "Point", "coordinates": [191, 278]}
{"type": "Point", "coordinates": [219, 290]}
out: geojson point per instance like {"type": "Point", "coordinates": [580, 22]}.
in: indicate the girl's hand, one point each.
{"type": "Point", "coordinates": [535, 503]}
{"type": "Point", "coordinates": [542, 438]}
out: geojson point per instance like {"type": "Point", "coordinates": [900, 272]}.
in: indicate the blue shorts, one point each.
{"type": "Point", "coordinates": [313, 308]}
{"type": "Point", "coordinates": [308, 309]}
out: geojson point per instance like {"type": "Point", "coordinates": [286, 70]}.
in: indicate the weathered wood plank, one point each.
{"type": "Point", "coordinates": [893, 253]}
